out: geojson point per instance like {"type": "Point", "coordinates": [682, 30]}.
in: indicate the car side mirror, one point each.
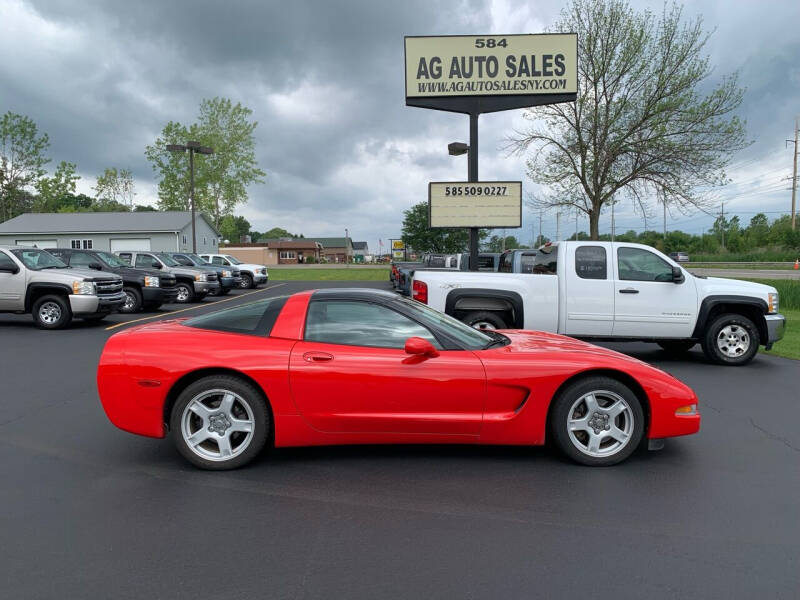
{"type": "Point", "coordinates": [420, 347]}
{"type": "Point", "coordinates": [156, 265]}
{"type": "Point", "coordinates": [13, 270]}
{"type": "Point", "coordinates": [96, 266]}
{"type": "Point", "coordinates": [677, 275]}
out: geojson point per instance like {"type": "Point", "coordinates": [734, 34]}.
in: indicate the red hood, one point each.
{"type": "Point", "coordinates": [539, 341]}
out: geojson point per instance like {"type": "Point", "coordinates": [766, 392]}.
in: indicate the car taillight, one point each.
{"type": "Point", "coordinates": [419, 291]}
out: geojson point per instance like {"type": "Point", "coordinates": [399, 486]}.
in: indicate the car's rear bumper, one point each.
{"type": "Point", "coordinates": [776, 327]}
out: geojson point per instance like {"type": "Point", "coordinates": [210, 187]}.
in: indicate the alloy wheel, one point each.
{"type": "Point", "coordinates": [600, 423]}
{"type": "Point", "coordinates": [217, 425]}
{"type": "Point", "coordinates": [183, 294]}
{"type": "Point", "coordinates": [49, 313]}
{"type": "Point", "coordinates": [733, 340]}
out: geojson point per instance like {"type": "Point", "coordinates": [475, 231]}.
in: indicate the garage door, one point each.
{"type": "Point", "coordinates": [37, 243]}
{"type": "Point", "coordinates": [130, 244]}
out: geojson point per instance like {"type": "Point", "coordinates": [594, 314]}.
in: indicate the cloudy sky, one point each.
{"type": "Point", "coordinates": [325, 82]}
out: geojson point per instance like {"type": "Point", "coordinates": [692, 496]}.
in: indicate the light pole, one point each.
{"type": "Point", "coordinates": [457, 149]}
{"type": "Point", "coordinates": [193, 148]}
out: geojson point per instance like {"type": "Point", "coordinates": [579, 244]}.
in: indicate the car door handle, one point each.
{"type": "Point", "coordinates": [628, 291]}
{"type": "Point", "coordinates": [315, 357]}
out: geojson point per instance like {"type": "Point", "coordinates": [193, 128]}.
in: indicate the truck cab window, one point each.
{"type": "Point", "coordinates": [546, 261]}
{"type": "Point", "coordinates": [527, 262]}
{"type": "Point", "coordinates": [635, 264]}
{"type": "Point", "coordinates": [590, 262]}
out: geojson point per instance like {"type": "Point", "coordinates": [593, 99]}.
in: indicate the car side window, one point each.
{"type": "Point", "coordinates": [184, 260]}
{"type": "Point", "coordinates": [81, 259]}
{"type": "Point", "coordinates": [217, 260]}
{"type": "Point", "coordinates": [356, 323]}
{"type": "Point", "coordinates": [125, 256]}
{"type": "Point", "coordinates": [506, 263]}
{"type": "Point", "coordinates": [527, 262]}
{"type": "Point", "coordinates": [590, 262]}
{"type": "Point", "coordinates": [546, 261]}
{"type": "Point", "coordinates": [144, 261]}
{"type": "Point", "coordinates": [636, 264]}
{"type": "Point", "coordinates": [6, 262]}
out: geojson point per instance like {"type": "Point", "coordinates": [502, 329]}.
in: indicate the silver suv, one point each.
{"type": "Point", "coordinates": [193, 283]}
{"type": "Point", "coordinates": [36, 282]}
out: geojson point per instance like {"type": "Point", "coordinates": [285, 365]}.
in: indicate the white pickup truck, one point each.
{"type": "Point", "coordinates": [613, 291]}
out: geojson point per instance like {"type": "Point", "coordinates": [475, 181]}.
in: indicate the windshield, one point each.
{"type": "Point", "coordinates": [232, 259]}
{"type": "Point", "coordinates": [467, 336]}
{"type": "Point", "coordinates": [197, 260]}
{"type": "Point", "coordinates": [37, 260]}
{"type": "Point", "coordinates": [112, 260]}
{"type": "Point", "coordinates": [168, 260]}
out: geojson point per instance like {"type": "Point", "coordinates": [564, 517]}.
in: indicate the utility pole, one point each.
{"type": "Point", "coordinates": [665, 221]}
{"type": "Point", "coordinates": [722, 225]}
{"type": "Point", "coordinates": [794, 172]}
{"type": "Point", "coordinates": [346, 235]}
{"type": "Point", "coordinates": [558, 226]}
{"type": "Point", "coordinates": [613, 224]}
{"type": "Point", "coordinates": [539, 240]}
{"type": "Point", "coordinates": [576, 224]}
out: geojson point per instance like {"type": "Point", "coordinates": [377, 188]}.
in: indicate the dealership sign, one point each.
{"type": "Point", "coordinates": [491, 65]}
{"type": "Point", "coordinates": [479, 204]}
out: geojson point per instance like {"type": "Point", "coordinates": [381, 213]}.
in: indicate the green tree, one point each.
{"type": "Point", "coordinates": [646, 125]}
{"type": "Point", "coordinates": [221, 179]}
{"type": "Point", "coordinates": [115, 185]}
{"type": "Point", "coordinates": [54, 191]}
{"type": "Point", "coordinates": [22, 161]}
{"type": "Point", "coordinates": [233, 228]}
{"type": "Point", "coordinates": [497, 243]}
{"type": "Point", "coordinates": [758, 230]}
{"type": "Point", "coordinates": [422, 238]}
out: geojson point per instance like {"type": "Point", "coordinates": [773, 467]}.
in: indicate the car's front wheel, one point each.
{"type": "Point", "coordinates": [185, 293]}
{"type": "Point", "coordinates": [133, 300]}
{"type": "Point", "coordinates": [247, 282]}
{"type": "Point", "coordinates": [731, 339]}
{"type": "Point", "coordinates": [484, 319]}
{"type": "Point", "coordinates": [220, 422]}
{"type": "Point", "coordinates": [597, 421]}
{"type": "Point", "coordinates": [51, 312]}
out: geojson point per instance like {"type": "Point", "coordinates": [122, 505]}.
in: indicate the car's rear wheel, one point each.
{"type": "Point", "coordinates": [220, 422]}
{"type": "Point", "coordinates": [133, 300]}
{"type": "Point", "coordinates": [677, 347]}
{"type": "Point", "coordinates": [51, 312]}
{"type": "Point", "coordinates": [731, 339]}
{"type": "Point", "coordinates": [247, 282]}
{"type": "Point", "coordinates": [597, 421]}
{"type": "Point", "coordinates": [484, 320]}
{"type": "Point", "coordinates": [185, 293]}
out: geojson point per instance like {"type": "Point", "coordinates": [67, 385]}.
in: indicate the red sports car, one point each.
{"type": "Point", "coordinates": [360, 366]}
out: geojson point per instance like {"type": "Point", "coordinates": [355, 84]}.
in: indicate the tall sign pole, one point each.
{"type": "Point", "coordinates": [482, 74]}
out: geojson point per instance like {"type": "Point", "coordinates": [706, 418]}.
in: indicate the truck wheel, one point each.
{"type": "Point", "coordinates": [51, 312]}
{"type": "Point", "coordinates": [597, 421]}
{"type": "Point", "coordinates": [247, 282]}
{"type": "Point", "coordinates": [731, 339]}
{"type": "Point", "coordinates": [484, 320]}
{"type": "Point", "coordinates": [677, 347]}
{"type": "Point", "coordinates": [133, 300]}
{"type": "Point", "coordinates": [185, 293]}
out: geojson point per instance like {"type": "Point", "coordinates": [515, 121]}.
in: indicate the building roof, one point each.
{"type": "Point", "coordinates": [333, 242]}
{"type": "Point", "coordinates": [359, 245]}
{"type": "Point", "coordinates": [100, 222]}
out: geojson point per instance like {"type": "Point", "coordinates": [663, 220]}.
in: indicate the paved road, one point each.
{"type": "Point", "coordinates": [749, 273]}
{"type": "Point", "coordinates": [89, 511]}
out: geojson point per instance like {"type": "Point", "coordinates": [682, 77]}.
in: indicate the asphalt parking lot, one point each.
{"type": "Point", "coordinates": [89, 511]}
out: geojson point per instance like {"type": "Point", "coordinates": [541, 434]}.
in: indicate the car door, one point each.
{"type": "Point", "coordinates": [12, 285]}
{"type": "Point", "coordinates": [589, 297]}
{"type": "Point", "coordinates": [647, 303]}
{"type": "Point", "coordinates": [351, 374]}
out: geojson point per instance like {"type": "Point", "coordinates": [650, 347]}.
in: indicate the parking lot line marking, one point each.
{"type": "Point", "coordinates": [180, 310]}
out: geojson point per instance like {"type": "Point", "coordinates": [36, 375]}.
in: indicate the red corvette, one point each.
{"type": "Point", "coordinates": [359, 366]}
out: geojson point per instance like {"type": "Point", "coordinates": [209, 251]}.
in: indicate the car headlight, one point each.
{"type": "Point", "coordinates": [83, 288]}
{"type": "Point", "coordinates": [201, 277]}
{"type": "Point", "coordinates": [227, 274]}
{"type": "Point", "coordinates": [773, 302]}
{"type": "Point", "coordinates": [150, 281]}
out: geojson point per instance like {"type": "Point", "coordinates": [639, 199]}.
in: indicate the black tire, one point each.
{"type": "Point", "coordinates": [51, 312]}
{"type": "Point", "coordinates": [133, 300]}
{"type": "Point", "coordinates": [677, 347]}
{"type": "Point", "coordinates": [485, 319]}
{"type": "Point", "coordinates": [601, 387]}
{"type": "Point", "coordinates": [247, 282]}
{"type": "Point", "coordinates": [185, 292]}
{"type": "Point", "coordinates": [737, 354]}
{"type": "Point", "coordinates": [247, 394]}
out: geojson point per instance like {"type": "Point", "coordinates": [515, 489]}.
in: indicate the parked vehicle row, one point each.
{"type": "Point", "coordinates": [252, 275]}
{"type": "Point", "coordinates": [402, 273]}
{"type": "Point", "coordinates": [56, 284]}
{"type": "Point", "coordinates": [612, 291]}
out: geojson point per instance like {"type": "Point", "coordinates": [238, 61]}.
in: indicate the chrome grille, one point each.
{"type": "Point", "coordinates": [166, 282]}
{"type": "Point", "coordinates": [108, 287]}
{"type": "Point", "coordinates": [212, 277]}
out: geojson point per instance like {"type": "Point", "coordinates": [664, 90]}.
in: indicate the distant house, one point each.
{"type": "Point", "coordinates": [360, 249]}
{"type": "Point", "coordinates": [111, 231]}
{"type": "Point", "coordinates": [277, 252]}
{"type": "Point", "coordinates": [336, 250]}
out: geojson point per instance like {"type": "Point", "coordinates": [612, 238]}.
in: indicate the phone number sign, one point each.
{"type": "Point", "coordinates": [488, 204]}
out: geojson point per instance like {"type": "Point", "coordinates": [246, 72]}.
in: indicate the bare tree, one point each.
{"type": "Point", "coordinates": [647, 125]}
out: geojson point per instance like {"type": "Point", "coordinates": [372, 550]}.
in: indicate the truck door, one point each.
{"type": "Point", "coordinates": [647, 303]}
{"type": "Point", "coordinates": [12, 284]}
{"type": "Point", "coordinates": [589, 301]}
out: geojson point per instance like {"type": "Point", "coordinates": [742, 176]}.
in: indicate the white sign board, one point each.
{"type": "Point", "coordinates": [487, 204]}
{"type": "Point", "coordinates": [491, 65]}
